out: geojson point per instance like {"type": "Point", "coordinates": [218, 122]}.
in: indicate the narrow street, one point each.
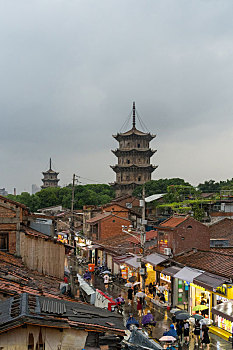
{"type": "Point", "coordinates": [161, 316]}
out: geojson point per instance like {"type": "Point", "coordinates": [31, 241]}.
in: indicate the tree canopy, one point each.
{"type": "Point", "coordinates": [94, 194]}
{"type": "Point", "coordinates": [159, 186]}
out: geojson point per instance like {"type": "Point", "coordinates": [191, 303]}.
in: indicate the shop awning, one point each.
{"type": "Point", "coordinates": [188, 274]}
{"type": "Point", "coordinates": [133, 262]}
{"type": "Point", "coordinates": [209, 281]}
{"type": "Point", "coordinates": [224, 310]}
{"type": "Point", "coordinates": [121, 259]}
{"type": "Point", "coordinates": [171, 271]}
{"type": "Point", "coordinates": [155, 259]}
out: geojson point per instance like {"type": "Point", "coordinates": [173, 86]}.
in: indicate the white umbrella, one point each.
{"type": "Point", "coordinates": [167, 338]}
{"type": "Point", "coordinates": [136, 283]}
{"type": "Point", "coordinates": [105, 272]}
{"type": "Point", "coordinates": [174, 311]}
{"type": "Point", "coordinates": [129, 284]}
{"type": "Point", "coordinates": [206, 321]}
{"type": "Point", "coordinates": [140, 294]}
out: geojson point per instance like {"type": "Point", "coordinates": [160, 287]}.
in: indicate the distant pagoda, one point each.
{"type": "Point", "coordinates": [50, 177]}
{"type": "Point", "coordinates": [133, 155]}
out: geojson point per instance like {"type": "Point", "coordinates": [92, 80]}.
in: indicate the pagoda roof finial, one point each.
{"type": "Point", "coordinates": [134, 118]}
{"type": "Point", "coordinates": [50, 164]}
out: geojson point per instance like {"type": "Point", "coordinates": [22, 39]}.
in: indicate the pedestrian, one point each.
{"type": "Point", "coordinates": [135, 288]}
{"type": "Point", "coordinates": [130, 296]}
{"type": "Point", "coordinates": [98, 262]}
{"type": "Point", "coordinates": [162, 298]}
{"type": "Point", "coordinates": [186, 331]}
{"type": "Point", "coordinates": [154, 290]}
{"type": "Point", "coordinates": [172, 332]}
{"type": "Point", "coordinates": [106, 281]}
{"type": "Point", "coordinates": [139, 306]}
{"type": "Point", "coordinates": [131, 321]}
{"type": "Point", "coordinates": [150, 288]}
{"type": "Point", "coordinates": [197, 330]}
{"type": "Point", "coordinates": [205, 336]}
{"type": "Point", "coordinates": [179, 329]}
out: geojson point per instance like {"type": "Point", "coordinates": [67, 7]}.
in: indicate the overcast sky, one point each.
{"type": "Point", "coordinates": [70, 70]}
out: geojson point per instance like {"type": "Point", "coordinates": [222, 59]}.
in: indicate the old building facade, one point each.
{"type": "Point", "coordinates": [134, 153]}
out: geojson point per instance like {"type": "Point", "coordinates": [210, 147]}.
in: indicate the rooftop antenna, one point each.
{"type": "Point", "coordinates": [134, 119]}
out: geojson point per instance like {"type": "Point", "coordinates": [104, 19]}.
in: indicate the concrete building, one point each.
{"type": "Point", "coordinates": [134, 153]}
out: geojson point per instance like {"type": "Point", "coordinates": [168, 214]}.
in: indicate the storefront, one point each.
{"type": "Point", "coordinates": [185, 290]}
{"type": "Point", "coordinates": [133, 265]}
{"type": "Point", "coordinates": [174, 291]}
{"type": "Point", "coordinates": [223, 316]}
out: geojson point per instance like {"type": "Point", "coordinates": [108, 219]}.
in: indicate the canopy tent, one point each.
{"type": "Point", "coordinates": [188, 274]}
{"type": "Point", "coordinates": [133, 262]}
{"type": "Point", "coordinates": [209, 281]}
{"type": "Point", "coordinates": [155, 259]}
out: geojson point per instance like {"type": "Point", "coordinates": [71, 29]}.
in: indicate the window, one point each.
{"type": "Point", "coordinates": [189, 227]}
{"type": "Point", "coordinates": [128, 161]}
{"type": "Point", "coordinates": [113, 220]}
{"type": "Point", "coordinates": [4, 238]}
{"type": "Point", "coordinates": [139, 145]}
{"type": "Point", "coordinates": [139, 178]}
{"type": "Point", "coordinates": [128, 205]}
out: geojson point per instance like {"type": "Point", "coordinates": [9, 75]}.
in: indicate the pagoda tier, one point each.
{"type": "Point", "coordinates": [134, 134]}
{"type": "Point", "coordinates": [134, 151]}
{"type": "Point", "coordinates": [133, 167]}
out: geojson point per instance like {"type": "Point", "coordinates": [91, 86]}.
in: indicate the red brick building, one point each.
{"type": "Point", "coordinates": [12, 216]}
{"type": "Point", "coordinates": [107, 225]}
{"type": "Point", "coordinates": [182, 233]}
{"type": "Point", "coordinates": [222, 229]}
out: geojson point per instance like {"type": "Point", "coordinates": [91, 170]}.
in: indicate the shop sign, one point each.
{"type": "Point", "coordinates": [124, 274]}
{"type": "Point", "coordinates": [222, 290]}
{"type": "Point", "coordinates": [165, 277]}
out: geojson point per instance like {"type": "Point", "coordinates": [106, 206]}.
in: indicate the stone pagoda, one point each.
{"type": "Point", "coordinates": [133, 155]}
{"type": "Point", "coordinates": [50, 177]}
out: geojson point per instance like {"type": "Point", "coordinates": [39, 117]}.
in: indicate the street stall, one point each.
{"type": "Point", "coordinates": [223, 317]}
{"type": "Point", "coordinates": [185, 290]}
{"type": "Point", "coordinates": [172, 284]}
{"type": "Point", "coordinates": [133, 266]}
{"type": "Point", "coordinates": [153, 270]}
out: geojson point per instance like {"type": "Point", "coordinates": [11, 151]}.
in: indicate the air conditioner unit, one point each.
{"type": "Point", "coordinates": [167, 251]}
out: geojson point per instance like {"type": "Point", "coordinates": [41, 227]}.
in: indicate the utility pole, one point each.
{"type": "Point", "coordinates": [143, 236]}
{"type": "Point", "coordinates": [72, 238]}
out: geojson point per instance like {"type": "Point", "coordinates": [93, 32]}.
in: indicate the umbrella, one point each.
{"type": "Point", "coordinates": [197, 317]}
{"type": "Point", "coordinates": [140, 294]}
{"type": "Point", "coordinates": [178, 312]}
{"type": "Point", "coordinates": [128, 284]}
{"type": "Point", "coordinates": [132, 278]}
{"type": "Point", "coordinates": [167, 338]}
{"type": "Point", "coordinates": [136, 283]}
{"type": "Point", "coordinates": [206, 321]}
{"type": "Point", "coordinates": [200, 307]}
{"type": "Point", "coordinates": [173, 311]}
{"type": "Point", "coordinates": [105, 272]}
{"type": "Point", "coordinates": [182, 316]}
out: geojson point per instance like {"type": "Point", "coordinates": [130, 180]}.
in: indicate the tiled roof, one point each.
{"type": "Point", "coordinates": [16, 278]}
{"type": "Point", "coordinates": [2, 198]}
{"type": "Point", "coordinates": [98, 217]}
{"type": "Point", "coordinates": [149, 236]}
{"type": "Point", "coordinates": [173, 221]}
{"type": "Point", "coordinates": [211, 261]}
{"type": "Point", "coordinates": [29, 309]}
{"type": "Point", "coordinates": [31, 232]}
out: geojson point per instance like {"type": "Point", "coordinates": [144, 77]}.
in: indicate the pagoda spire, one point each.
{"type": "Point", "coordinates": [134, 118]}
{"type": "Point", "coordinates": [50, 164]}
